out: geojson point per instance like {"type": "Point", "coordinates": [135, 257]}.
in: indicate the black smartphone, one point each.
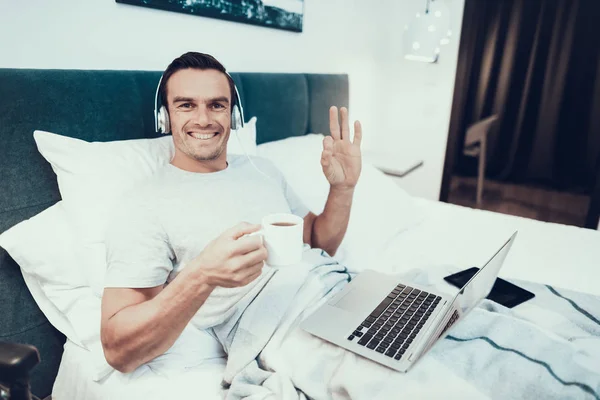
{"type": "Point", "coordinates": [503, 292]}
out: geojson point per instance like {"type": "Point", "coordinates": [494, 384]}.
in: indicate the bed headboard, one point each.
{"type": "Point", "coordinates": [96, 105]}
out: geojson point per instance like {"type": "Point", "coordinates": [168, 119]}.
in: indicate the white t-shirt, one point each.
{"type": "Point", "coordinates": [167, 221]}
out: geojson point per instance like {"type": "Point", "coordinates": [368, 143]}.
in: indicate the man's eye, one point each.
{"type": "Point", "coordinates": [218, 106]}
{"type": "Point", "coordinates": [185, 105]}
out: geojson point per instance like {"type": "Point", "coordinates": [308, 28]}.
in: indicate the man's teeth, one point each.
{"type": "Point", "coordinates": [203, 136]}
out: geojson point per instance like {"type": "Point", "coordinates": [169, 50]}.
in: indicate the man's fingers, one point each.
{"type": "Point", "coordinates": [344, 123]}
{"type": "Point", "coordinates": [251, 273]}
{"type": "Point", "coordinates": [247, 244]}
{"type": "Point", "coordinates": [326, 158]}
{"type": "Point", "coordinates": [253, 257]}
{"type": "Point", "coordinates": [254, 275]}
{"type": "Point", "coordinates": [327, 151]}
{"type": "Point", "coordinates": [357, 133]}
{"type": "Point", "coordinates": [334, 125]}
{"type": "Point", "coordinates": [241, 229]}
{"type": "Point", "coordinates": [328, 143]}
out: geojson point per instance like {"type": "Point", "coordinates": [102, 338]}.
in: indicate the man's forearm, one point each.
{"type": "Point", "coordinates": [141, 332]}
{"type": "Point", "coordinates": [330, 226]}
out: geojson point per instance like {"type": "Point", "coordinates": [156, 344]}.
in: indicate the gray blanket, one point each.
{"type": "Point", "coordinates": [546, 348]}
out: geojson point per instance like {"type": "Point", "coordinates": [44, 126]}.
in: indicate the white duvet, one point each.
{"type": "Point", "coordinates": [562, 256]}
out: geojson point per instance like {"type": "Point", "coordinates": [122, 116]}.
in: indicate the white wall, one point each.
{"type": "Point", "coordinates": [402, 105]}
{"type": "Point", "coordinates": [421, 100]}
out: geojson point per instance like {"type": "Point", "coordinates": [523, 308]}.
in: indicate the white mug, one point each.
{"type": "Point", "coordinates": [283, 238]}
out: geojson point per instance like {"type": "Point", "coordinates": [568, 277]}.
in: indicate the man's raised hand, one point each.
{"type": "Point", "coordinates": [341, 158]}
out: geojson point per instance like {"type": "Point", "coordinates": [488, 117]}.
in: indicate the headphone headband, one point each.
{"type": "Point", "coordinates": [162, 123]}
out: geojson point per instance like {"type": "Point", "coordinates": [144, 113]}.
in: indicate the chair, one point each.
{"type": "Point", "coordinates": [476, 146]}
{"type": "Point", "coordinates": [16, 363]}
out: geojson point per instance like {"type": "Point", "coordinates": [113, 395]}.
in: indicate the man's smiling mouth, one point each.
{"type": "Point", "coordinates": [202, 136]}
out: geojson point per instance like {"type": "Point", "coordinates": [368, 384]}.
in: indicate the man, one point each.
{"type": "Point", "coordinates": [177, 247]}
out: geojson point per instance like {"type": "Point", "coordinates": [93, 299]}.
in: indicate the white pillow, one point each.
{"type": "Point", "coordinates": [43, 247]}
{"type": "Point", "coordinates": [380, 209]}
{"type": "Point", "coordinates": [92, 177]}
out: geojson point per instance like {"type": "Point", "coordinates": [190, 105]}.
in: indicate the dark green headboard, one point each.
{"type": "Point", "coordinates": [104, 106]}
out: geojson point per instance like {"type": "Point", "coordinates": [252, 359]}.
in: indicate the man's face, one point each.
{"type": "Point", "coordinates": [199, 106]}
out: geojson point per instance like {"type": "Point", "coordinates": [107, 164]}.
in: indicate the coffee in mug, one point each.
{"type": "Point", "coordinates": [283, 224]}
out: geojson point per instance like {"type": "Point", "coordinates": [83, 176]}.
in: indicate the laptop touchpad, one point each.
{"type": "Point", "coordinates": [351, 301]}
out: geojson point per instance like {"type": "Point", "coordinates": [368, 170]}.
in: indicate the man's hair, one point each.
{"type": "Point", "coordinates": [194, 60]}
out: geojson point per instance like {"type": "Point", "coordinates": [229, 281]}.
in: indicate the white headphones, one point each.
{"type": "Point", "coordinates": [161, 115]}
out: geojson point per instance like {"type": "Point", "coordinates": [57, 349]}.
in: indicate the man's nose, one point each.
{"type": "Point", "coordinates": [202, 117]}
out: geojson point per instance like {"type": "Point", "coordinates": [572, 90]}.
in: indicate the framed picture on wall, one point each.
{"type": "Point", "coordinates": [280, 14]}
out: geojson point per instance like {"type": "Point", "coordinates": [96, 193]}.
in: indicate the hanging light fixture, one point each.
{"type": "Point", "coordinates": [423, 38]}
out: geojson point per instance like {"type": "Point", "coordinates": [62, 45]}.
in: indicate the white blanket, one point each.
{"type": "Point", "coordinates": [547, 348]}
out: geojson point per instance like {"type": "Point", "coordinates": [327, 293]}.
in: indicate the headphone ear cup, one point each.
{"type": "Point", "coordinates": [236, 118]}
{"type": "Point", "coordinates": [164, 125]}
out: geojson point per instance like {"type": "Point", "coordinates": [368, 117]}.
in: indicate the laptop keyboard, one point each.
{"type": "Point", "coordinates": [394, 324]}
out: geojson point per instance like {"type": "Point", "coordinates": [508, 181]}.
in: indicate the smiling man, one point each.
{"type": "Point", "coordinates": [199, 124]}
{"type": "Point", "coordinates": [177, 244]}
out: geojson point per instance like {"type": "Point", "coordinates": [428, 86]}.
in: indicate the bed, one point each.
{"type": "Point", "coordinates": [90, 105]}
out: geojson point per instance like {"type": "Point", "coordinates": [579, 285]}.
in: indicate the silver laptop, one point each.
{"type": "Point", "coordinates": [395, 323]}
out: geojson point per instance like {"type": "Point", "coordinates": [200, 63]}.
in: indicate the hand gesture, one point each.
{"type": "Point", "coordinates": [341, 158]}
{"type": "Point", "coordinates": [232, 259]}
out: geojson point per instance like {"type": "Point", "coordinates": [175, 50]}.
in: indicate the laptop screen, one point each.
{"type": "Point", "coordinates": [480, 285]}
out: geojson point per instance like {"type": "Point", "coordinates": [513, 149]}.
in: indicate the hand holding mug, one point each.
{"type": "Point", "coordinates": [233, 259]}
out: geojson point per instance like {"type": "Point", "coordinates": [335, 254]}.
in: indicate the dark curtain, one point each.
{"type": "Point", "coordinates": [536, 64]}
